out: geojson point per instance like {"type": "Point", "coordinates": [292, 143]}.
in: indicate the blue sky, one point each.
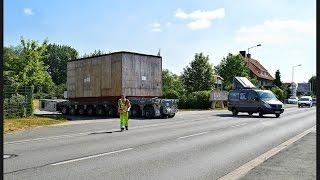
{"type": "Point", "coordinates": [181, 28]}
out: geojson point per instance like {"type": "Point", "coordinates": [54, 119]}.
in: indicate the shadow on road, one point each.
{"type": "Point", "coordinates": [243, 116]}
{"type": "Point", "coordinates": [106, 132]}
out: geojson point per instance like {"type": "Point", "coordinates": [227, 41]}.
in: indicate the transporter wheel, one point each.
{"type": "Point", "coordinates": [90, 111]}
{"type": "Point", "coordinates": [111, 112]}
{"type": "Point", "coordinates": [278, 115]}
{"type": "Point", "coordinates": [64, 110]}
{"type": "Point", "coordinates": [72, 110]}
{"type": "Point", "coordinates": [81, 110]}
{"type": "Point", "coordinates": [135, 111]}
{"type": "Point", "coordinates": [250, 113]}
{"type": "Point", "coordinates": [234, 112]}
{"type": "Point", "coordinates": [171, 115]}
{"type": "Point", "coordinates": [100, 111]}
{"type": "Point", "coordinates": [164, 116]}
{"type": "Point", "coordinates": [149, 112]}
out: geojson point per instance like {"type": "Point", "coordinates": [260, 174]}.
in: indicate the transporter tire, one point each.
{"type": "Point", "coordinates": [64, 110]}
{"type": "Point", "coordinates": [81, 110]}
{"type": "Point", "coordinates": [111, 112]}
{"type": "Point", "coordinates": [172, 115]}
{"type": "Point", "coordinates": [149, 112]}
{"type": "Point", "coordinates": [72, 110]}
{"type": "Point", "coordinates": [135, 112]}
{"type": "Point", "coordinates": [90, 110]}
{"type": "Point", "coordinates": [277, 115]}
{"type": "Point", "coordinates": [100, 111]}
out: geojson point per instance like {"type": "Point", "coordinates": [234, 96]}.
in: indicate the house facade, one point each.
{"type": "Point", "coordinates": [257, 70]}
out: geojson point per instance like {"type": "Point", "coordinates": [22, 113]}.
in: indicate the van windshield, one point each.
{"type": "Point", "coordinates": [304, 99]}
{"type": "Point", "coordinates": [266, 95]}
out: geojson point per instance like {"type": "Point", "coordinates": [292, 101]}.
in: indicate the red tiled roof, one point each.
{"type": "Point", "coordinates": [257, 69]}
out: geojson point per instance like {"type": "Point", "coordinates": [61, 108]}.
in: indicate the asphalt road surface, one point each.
{"type": "Point", "coordinates": [192, 145]}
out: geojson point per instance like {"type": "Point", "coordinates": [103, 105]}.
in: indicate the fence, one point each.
{"type": "Point", "coordinates": [17, 101]}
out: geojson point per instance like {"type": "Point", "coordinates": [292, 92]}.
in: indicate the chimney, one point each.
{"type": "Point", "coordinates": [243, 53]}
{"type": "Point", "coordinates": [249, 56]}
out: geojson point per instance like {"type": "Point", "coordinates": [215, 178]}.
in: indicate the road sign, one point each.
{"type": "Point", "coordinates": [219, 96]}
{"type": "Point", "coordinates": [304, 87]}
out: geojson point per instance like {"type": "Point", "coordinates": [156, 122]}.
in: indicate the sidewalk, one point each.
{"type": "Point", "coordinates": [297, 161]}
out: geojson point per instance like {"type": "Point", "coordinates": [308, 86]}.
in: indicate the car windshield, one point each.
{"type": "Point", "coordinates": [304, 99]}
{"type": "Point", "coordinates": [266, 95]}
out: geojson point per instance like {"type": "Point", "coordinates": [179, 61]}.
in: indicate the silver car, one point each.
{"type": "Point", "coordinates": [293, 100]}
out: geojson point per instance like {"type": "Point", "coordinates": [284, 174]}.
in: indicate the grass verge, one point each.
{"type": "Point", "coordinates": [19, 124]}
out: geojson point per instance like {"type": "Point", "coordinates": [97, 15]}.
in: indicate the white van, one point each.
{"type": "Point", "coordinates": [305, 101]}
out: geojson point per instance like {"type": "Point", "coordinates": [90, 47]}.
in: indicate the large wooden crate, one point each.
{"type": "Point", "coordinates": [110, 75]}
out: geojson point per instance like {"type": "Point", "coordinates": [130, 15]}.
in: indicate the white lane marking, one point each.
{"type": "Point", "coordinates": [89, 132]}
{"type": "Point", "coordinates": [197, 134]}
{"type": "Point", "coordinates": [88, 157]}
{"type": "Point", "coordinates": [244, 169]}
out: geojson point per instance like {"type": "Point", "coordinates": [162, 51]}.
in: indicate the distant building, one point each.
{"type": "Point", "coordinates": [293, 87]}
{"type": "Point", "coordinates": [257, 70]}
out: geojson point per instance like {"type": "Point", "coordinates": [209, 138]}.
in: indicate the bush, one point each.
{"type": "Point", "coordinates": [171, 94]}
{"type": "Point", "coordinates": [197, 100]}
{"type": "Point", "coordinates": [15, 106]}
{"type": "Point", "coordinates": [278, 92]}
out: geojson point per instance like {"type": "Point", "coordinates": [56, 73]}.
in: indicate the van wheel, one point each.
{"type": "Point", "coordinates": [260, 113]}
{"type": "Point", "coordinates": [250, 113]}
{"type": "Point", "coordinates": [277, 115]}
{"type": "Point", "coordinates": [149, 112]}
{"type": "Point", "coordinates": [172, 115]}
{"type": "Point", "coordinates": [234, 112]}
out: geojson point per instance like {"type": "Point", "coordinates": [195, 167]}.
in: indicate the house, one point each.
{"type": "Point", "coordinates": [290, 85]}
{"type": "Point", "coordinates": [257, 70]}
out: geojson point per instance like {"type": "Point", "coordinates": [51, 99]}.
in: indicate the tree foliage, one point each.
{"type": "Point", "coordinates": [171, 84]}
{"type": "Point", "coordinates": [199, 75]}
{"type": "Point", "coordinates": [231, 66]}
{"type": "Point", "coordinates": [277, 80]}
{"type": "Point", "coordinates": [313, 81]}
{"type": "Point", "coordinates": [278, 92]}
{"type": "Point", "coordinates": [56, 58]}
{"type": "Point", "coordinates": [23, 65]}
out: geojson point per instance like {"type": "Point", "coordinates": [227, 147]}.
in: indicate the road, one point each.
{"type": "Point", "coordinates": [192, 145]}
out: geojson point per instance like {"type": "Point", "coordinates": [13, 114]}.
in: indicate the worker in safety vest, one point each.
{"type": "Point", "coordinates": [123, 109]}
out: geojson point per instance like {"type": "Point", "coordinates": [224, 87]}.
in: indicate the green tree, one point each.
{"type": "Point", "coordinates": [231, 66]}
{"type": "Point", "coordinates": [24, 64]}
{"type": "Point", "coordinates": [277, 80]}
{"type": "Point", "coordinates": [199, 76]}
{"type": "Point", "coordinates": [278, 92]}
{"type": "Point", "coordinates": [56, 59]}
{"type": "Point", "coordinates": [313, 81]}
{"type": "Point", "coordinates": [94, 53]}
{"type": "Point", "coordinates": [171, 85]}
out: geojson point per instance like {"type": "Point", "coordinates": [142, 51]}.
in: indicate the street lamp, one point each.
{"type": "Point", "coordinates": [253, 47]}
{"type": "Point", "coordinates": [292, 79]}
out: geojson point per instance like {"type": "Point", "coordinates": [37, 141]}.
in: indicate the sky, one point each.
{"type": "Point", "coordinates": [286, 29]}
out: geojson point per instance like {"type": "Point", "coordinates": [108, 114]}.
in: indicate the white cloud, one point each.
{"type": "Point", "coordinates": [156, 27]}
{"type": "Point", "coordinates": [201, 19]}
{"type": "Point", "coordinates": [199, 24]}
{"type": "Point", "coordinates": [28, 11]}
{"type": "Point", "coordinates": [277, 31]}
{"type": "Point", "coordinates": [168, 24]}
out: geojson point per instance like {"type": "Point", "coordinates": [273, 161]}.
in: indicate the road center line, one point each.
{"type": "Point", "coordinates": [88, 157]}
{"type": "Point", "coordinates": [244, 169]}
{"type": "Point", "coordinates": [192, 135]}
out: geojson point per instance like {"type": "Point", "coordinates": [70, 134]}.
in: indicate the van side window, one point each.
{"type": "Point", "coordinates": [234, 96]}
{"type": "Point", "coordinates": [252, 95]}
{"type": "Point", "coordinates": [243, 96]}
